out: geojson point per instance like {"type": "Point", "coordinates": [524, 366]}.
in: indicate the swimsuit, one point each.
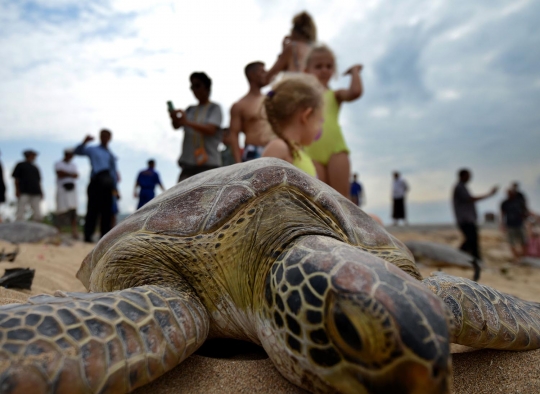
{"type": "Point", "coordinates": [331, 141]}
{"type": "Point", "coordinates": [303, 162]}
{"type": "Point", "coordinates": [252, 152]}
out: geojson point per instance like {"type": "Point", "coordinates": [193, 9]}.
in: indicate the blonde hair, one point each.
{"type": "Point", "coordinates": [288, 96]}
{"type": "Point", "coordinates": [320, 49]}
{"type": "Point", "coordinates": [304, 25]}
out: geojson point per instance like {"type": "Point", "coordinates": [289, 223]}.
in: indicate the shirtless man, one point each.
{"type": "Point", "coordinates": [247, 116]}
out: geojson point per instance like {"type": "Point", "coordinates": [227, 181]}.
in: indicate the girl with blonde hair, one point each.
{"type": "Point", "coordinates": [294, 109]}
{"type": "Point", "coordinates": [330, 153]}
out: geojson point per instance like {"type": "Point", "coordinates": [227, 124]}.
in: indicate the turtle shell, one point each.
{"type": "Point", "coordinates": [205, 202]}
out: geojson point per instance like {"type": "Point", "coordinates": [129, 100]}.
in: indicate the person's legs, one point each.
{"type": "Point", "coordinates": [339, 168]}
{"type": "Point", "coordinates": [35, 202]}
{"type": "Point", "coordinates": [74, 228]}
{"type": "Point", "coordinates": [22, 201]}
{"type": "Point", "coordinates": [91, 211]}
{"type": "Point", "coordinates": [470, 245]}
{"type": "Point", "coordinates": [105, 208]}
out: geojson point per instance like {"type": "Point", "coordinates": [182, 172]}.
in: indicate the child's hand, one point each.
{"type": "Point", "coordinates": [354, 69]}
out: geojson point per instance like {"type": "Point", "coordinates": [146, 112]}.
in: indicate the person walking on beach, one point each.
{"type": "Point", "coordinates": [202, 129]}
{"type": "Point", "coordinates": [513, 214]}
{"type": "Point", "coordinates": [2, 189]}
{"type": "Point", "coordinates": [247, 116]}
{"type": "Point", "coordinates": [147, 180]}
{"type": "Point", "coordinates": [66, 191]}
{"type": "Point", "coordinates": [330, 153]}
{"type": "Point", "coordinates": [399, 191]}
{"type": "Point", "coordinates": [357, 191]}
{"type": "Point", "coordinates": [296, 47]}
{"type": "Point", "coordinates": [102, 187]}
{"type": "Point", "coordinates": [466, 216]}
{"type": "Point", "coordinates": [28, 188]}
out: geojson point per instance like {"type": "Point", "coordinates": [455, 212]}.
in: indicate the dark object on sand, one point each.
{"type": "Point", "coordinates": [10, 256]}
{"type": "Point", "coordinates": [18, 232]}
{"type": "Point", "coordinates": [17, 278]}
{"type": "Point", "coordinates": [434, 254]}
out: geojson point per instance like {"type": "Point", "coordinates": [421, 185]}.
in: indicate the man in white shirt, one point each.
{"type": "Point", "coordinates": [66, 193]}
{"type": "Point", "coordinates": [399, 190]}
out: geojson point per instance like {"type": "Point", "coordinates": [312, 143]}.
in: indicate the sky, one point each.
{"type": "Point", "coordinates": [448, 84]}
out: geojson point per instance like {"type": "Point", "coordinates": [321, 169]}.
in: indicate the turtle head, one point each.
{"type": "Point", "coordinates": [384, 350]}
{"type": "Point", "coordinates": [353, 323]}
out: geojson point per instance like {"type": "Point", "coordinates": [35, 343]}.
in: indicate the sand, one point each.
{"type": "Point", "coordinates": [238, 368]}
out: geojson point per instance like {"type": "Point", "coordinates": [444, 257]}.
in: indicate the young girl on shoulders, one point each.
{"type": "Point", "coordinates": [330, 153]}
{"type": "Point", "coordinates": [294, 108]}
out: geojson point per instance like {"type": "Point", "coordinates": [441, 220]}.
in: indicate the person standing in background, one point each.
{"type": "Point", "coordinates": [102, 187]}
{"type": "Point", "coordinates": [513, 214]}
{"type": "Point", "coordinates": [466, 216]}
{"type": "Point", "coordinates": [202, 129]}
{"type": "Point", "coordinates": [28, 188]}
{"type": "Point", "coordinates": [147, 180]}
{"type": "Point", "coordinates": [399, 191]}
{"type": "Point", "coordinates": [66, 191]}
{"type": "Point", "coordinates": [2, 189]}
{"type": "Point", "coordinates": [248, 116]}
{"type": "Point", "coordinates": [357, 191]}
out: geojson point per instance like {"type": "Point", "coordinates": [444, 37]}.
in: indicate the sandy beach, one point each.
{"type": "Point", "coordinates": [242, 369]}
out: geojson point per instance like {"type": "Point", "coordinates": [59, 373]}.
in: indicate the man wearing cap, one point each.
{"type": "Point", "coordinates": [28, 186]}
{"type": "Point", "coordinates": [66, 191]}
{"type": "Point", "coordinates": [102, 187]}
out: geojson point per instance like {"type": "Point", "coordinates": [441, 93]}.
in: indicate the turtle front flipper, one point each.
{"type": "Point", "coordinates": [97, 342]}
{"type": "Point", "coordinates": [486, 318]}
{"type": "Point", "coordinates": [335, 318]}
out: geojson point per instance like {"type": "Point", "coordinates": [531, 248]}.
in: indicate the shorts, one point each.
{"type": "Point", "coordinates": [252, 152]}
{"type": "Point", "coordinates": [516, 235]}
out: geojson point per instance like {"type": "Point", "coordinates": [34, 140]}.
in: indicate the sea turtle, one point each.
{"type": "Point", "coordinates": [260, 252]}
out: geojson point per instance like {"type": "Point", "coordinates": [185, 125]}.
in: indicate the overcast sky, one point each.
{"type": "Point", "coordinates": [447, 84]}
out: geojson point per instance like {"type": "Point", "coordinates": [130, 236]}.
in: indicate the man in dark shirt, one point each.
{"type": "Point", "coordinates": [513, 214]}
{"type": "Point", "coordinates": [465, 212]}
{"type": "Point", "coordinates": [28, 186]}
{"type": "Point", "coordinates": [2, 188]}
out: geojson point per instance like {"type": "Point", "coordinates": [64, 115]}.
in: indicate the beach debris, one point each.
{"type": "Point", "coordinates": [17, 278]}
{"type": "Point", "coordinates": [435, 254]}
{"type": "Point", "coordinates": [31, 232]}
{"type": "Point", "coordinates": [9, 256]}
{"type": "Point", "coordinates": [262, 252]}
{"type": "Point", "coordinates": [530, 261]}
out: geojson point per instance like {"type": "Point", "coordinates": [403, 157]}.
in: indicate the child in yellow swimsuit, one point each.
{"type": "Point", "coordinates": [330, 153]}
{"type": "Point", "coordinates": [294, 108]}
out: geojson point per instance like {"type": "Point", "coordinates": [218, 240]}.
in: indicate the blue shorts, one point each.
{"type": "Point", "coordinates": [252, 152]}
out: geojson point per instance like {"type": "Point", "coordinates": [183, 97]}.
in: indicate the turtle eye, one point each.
{"type": "Point", "coordinates": [361, 328]}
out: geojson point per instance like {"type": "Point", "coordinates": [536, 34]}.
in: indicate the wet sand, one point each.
{"type": "Point", "coordinates": [247, 369]}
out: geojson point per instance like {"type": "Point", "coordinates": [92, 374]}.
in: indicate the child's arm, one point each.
{"type": "Point", "coordinates": [278, 148]}
{"type": "Point", "coordinates": [355, 89]}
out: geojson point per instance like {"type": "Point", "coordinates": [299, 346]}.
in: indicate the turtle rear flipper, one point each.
{"type": "Point", "coordinates": [486, 318]}
{"type": "Point", "coordinates": [98, 342]}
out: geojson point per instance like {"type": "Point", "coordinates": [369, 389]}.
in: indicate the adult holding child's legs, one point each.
{"type": "Point", "coordinates": [330, 153]}
{"type": "Point", "coordinates": [202, 129]}
{"type": "Point", "coordinates": [296, 47]}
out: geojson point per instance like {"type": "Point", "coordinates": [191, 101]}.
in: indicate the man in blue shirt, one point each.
{"type": "Point", "coordinates": [102, 187]}
{"type": "Point", "coordinates": [356, 192]}
{"type": "Point", "coordinates": [147, 180]}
